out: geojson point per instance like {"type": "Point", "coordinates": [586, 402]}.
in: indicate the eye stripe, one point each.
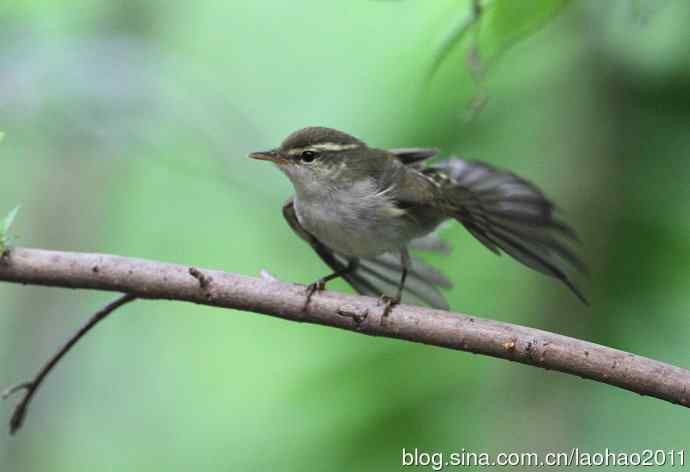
{"type": "Point", "coordinates": [333, 147]}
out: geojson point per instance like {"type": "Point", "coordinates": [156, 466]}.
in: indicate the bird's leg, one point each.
{"type": "Point", "coordinates": [321, 283]}
{"type": "Point", "coordinates": [389, 302]}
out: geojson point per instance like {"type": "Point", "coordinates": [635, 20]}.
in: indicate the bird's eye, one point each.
{"type": "Point", "coordinates": [308, 156]}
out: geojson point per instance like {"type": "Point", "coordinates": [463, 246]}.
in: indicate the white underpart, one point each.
{"type": "Point", "coordinates": [359, 220]}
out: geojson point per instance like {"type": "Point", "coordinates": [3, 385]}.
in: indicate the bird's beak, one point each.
{"type": "Point", "coordinates": [273, 156]}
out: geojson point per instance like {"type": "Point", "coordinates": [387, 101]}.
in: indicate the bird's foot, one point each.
{"type": "Point", "coordinates": [388, 304]}
{"type": "Point", "coordinates": [314, 287]}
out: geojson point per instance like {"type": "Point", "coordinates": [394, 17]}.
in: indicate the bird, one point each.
{"type": "Point", "coordinates": [363, 208]}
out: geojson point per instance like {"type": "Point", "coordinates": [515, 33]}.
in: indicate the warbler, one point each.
{"type": "Point", "coordinates": [362, 208]}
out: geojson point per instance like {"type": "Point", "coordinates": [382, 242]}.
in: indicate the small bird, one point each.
{"type": "Point", "coordinates": [358, 207]}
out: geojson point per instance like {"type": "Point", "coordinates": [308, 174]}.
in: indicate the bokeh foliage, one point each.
{"type": "Point", "coordinates": [127, 125]}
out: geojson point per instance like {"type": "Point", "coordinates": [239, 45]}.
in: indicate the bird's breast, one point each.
{"type": "Point", "coordinates": [357, 221]}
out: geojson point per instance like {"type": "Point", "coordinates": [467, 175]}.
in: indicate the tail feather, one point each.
{"type": "Point", "coordinates": [521, 251]}
{"type": "Point", "coordinates": [416, 290]}
{"type": "Point", "coordinates": [547, 243]}
{"type": "Point", "coordinates": [481, 235]}
{"type": "Point", "coordinates": [381, 275]}
{"type": "Point", "coordinates": [507, 213]}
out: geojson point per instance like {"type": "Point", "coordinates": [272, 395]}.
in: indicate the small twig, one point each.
{"type": "Point", "coordinates": [358, 314]}
{"type": "Point", "coordinates": [32, 386]}
{"type": "Point", "coordinates": [475, 66]}
{"type": "Point", "coordinates": [455, 36]}
{"type": "Point", "coordinates": [204, 280]}
{"type": "Point", "coordinates": [5, 255]}
{"type": "Point", "coordinates": [267, 276]}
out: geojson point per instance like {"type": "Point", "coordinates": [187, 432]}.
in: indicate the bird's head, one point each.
{"type": "Point", "coordinates": [317, 159]}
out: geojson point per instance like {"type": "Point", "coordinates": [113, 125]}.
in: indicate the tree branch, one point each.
{"type": "Point", "coordinates": [32, 386]}
{"type": "Point", "coordinates": [156, 280]}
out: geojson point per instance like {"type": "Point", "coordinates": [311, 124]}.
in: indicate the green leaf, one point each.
{"type": "Point", "coordinates": [5, 230]}
{"type": "Point", "coordinates": [510, 22]}
{"type": "Point", "coordinates": [500, 24]}
{"type": "Point", "coordinates": [2, 136]}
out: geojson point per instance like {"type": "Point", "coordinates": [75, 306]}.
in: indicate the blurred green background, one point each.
{"type": "Point", "coordinates": [127, 128]}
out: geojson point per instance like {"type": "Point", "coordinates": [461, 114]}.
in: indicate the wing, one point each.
{"type": "Point", "coordinates": [380, 275]}
{"type": "Point", "coordinates": [507, 213]}
{"type": "Point", "coordinates": [410, 156]}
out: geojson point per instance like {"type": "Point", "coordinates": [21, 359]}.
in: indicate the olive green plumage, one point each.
{"type": "Point", "coordinates": [356, 205]}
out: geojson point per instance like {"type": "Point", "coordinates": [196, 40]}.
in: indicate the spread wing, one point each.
{"type": "Point", "coordinates": [380, 275]}
{"type": "Point", "coordinates": [507, 213]}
